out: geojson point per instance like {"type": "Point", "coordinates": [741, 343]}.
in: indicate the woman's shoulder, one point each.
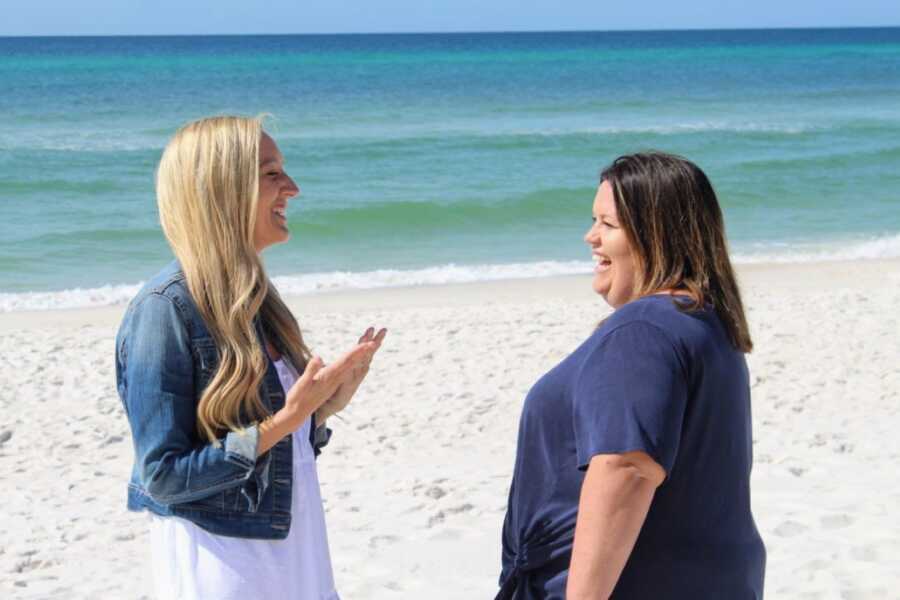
{"type": "Point", "coordinates": [169, 281]}
{"type": "Point", "coordinates": [165, 295]}
{"type": "Point", "coordinates": [659, 311]}
{"type": "Point", "coordinates": [659, 317]}
{"type": "Point", "coordinates": [689, 331]}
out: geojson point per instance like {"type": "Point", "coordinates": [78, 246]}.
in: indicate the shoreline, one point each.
{"type": "Point", "coordinates": [776, 276]}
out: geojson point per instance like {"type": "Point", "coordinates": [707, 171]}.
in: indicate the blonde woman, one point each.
{"type": "Point", "coordinates": [227, 407]}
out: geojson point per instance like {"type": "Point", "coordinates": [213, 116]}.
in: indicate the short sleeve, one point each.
{"type": "Point", "coordinates": [630, 395]}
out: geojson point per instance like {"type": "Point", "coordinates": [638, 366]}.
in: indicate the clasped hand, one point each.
{"type": "Point", "coordinates": [327, 390]}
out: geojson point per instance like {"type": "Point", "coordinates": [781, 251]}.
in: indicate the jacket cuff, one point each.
{"type": "Point", "coordinates": [240, 448]}
{"type": "Point", "coordinates": [320, 438]}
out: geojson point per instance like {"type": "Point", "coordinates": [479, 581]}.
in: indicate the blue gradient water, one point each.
{"type": "Point", "coordinates": [415, 152]}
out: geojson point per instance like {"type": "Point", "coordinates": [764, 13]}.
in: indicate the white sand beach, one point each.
{"type": "Point", "coordinates": [415, 479]}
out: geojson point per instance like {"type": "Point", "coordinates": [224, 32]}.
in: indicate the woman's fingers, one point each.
{"type": "Point", "coordinates": [374, 346]}
{"type": "Point", "coordinates": [348, 372]}
{"type": "Point", "coordinates": [341, 366]}
{"type": "Point", "coordinates": [353, 366]}
{"type": "Point", "coordinates": [313, 367]}
{"type": "Point", "coordinates": [359, 372]}
{"type": "Point", "coordinates": [371, 336]}
{"type": "Point", "coordinates": [373, 343]}
{"type": "Point", "coordinates": [370, 342]}
{"type": "Point", "coordinates": [376, 341]}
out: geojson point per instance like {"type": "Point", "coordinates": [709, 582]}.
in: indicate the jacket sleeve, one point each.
{"type": "Point", "coordinates": [319, 436]}
{"type": "Point", "coordinates": [157, 387]}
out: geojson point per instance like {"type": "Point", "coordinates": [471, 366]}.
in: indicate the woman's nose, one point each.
{"type": "Point", "coordinates": [291, 188]}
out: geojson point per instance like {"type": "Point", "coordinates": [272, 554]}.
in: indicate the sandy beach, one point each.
{"type": "Point", "coordinates": [415, 479]}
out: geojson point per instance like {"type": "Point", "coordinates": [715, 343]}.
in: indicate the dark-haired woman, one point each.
{"type": "Point", "coordinates": [632, 475]}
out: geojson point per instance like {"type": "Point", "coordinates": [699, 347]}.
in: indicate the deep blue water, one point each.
{"type": "Point", "coordinates": [415, 152]}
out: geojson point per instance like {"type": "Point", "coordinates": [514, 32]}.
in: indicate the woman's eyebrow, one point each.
{"type": "Point", "coordinates": [269, 161]}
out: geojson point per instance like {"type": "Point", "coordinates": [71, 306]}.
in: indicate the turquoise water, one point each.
{"type": "Point", "coordinates": [428, 158]}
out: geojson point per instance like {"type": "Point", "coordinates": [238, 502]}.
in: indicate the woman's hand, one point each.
{"type": "Point", "coordinates": [345, 391]}
{"type": "Point", "coordinates": [317, 385]}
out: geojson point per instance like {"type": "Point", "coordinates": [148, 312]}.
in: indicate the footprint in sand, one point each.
{"type": "Point", "coordinates": [446, 535]}
{"type": "Point", "coordinates": [864, 594]}
{"type": "Point", "coordinates": [790, 529]}
{"type": "Point", "coordinates": [460, 509]}
{"type": "Point", "coordinates": [881, 551]}
{"type": "Point", "coordinates": [378, 541]}
{"type": "Point", "coordinates": [816, 565]}
{"type": "Point", "coordinates": [836, 521]}
{"type": "Point", "coordinates": [436, 492]}
{"type": "Point", "coordinates": [867, 553]}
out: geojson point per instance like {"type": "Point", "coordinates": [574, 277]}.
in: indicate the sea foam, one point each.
{"type": "Point", "coordinates": [311, 283]}
{"type": "Point", "coordinates": [106, 295]}
{"type": "Point", "coordinates": [887, 246]}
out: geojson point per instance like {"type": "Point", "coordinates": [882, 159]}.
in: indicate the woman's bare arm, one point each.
{"type": "Point", "coordinates": [615, 498]}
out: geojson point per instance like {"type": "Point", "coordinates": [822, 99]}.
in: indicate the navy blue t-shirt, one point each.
{"type": "Point", "coordinates": [668, 383]}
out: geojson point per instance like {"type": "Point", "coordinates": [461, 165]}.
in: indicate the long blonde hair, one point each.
{"type": "Point", "coordinates": [207, 188]}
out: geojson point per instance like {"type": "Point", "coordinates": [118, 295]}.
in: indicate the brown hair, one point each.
{"type": "Point", "coordinates": [669, 212]}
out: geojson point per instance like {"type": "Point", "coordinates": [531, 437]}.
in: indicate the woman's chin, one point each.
{"type": "Point", "coordinates": [614, 300]}
{"type": "Point", "coordinates": [600, 288]}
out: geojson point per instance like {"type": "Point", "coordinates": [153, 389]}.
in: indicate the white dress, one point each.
{"type": "Point", "coordinates": [189, 563]}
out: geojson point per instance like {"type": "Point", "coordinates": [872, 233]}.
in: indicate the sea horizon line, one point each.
{"type": "Point", "coordinates": [457, 32]}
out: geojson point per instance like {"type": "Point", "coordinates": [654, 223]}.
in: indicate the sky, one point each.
{"type": "Point", "coordinates": [152, 17]}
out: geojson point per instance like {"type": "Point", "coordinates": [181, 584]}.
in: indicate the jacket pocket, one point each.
{"type": "Point", "coordinates": [229, 500]}
{"type": "Point", "coordinates": [212, 503]}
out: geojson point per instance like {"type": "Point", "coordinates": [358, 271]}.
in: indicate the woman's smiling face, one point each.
{"type": "Point", "coordinates": [275, 189]}
{"type": "Point", "coordinates": [615, 272]}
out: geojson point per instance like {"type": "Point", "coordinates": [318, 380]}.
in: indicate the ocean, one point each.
{"type": "Point", "coordinates": [444, 157]}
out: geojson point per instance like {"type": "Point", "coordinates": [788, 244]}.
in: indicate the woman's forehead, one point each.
{"type": "Point", "coordinates": [268, 150]}
{"type": "Point", "coordinates": [604, 202]}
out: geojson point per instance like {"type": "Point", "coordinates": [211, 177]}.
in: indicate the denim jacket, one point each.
{"type": "Point", "coordinates": [165, 357]}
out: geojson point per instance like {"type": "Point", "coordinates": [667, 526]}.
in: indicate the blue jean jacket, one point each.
{"type": "Point", "coordinates": [165, 357]}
